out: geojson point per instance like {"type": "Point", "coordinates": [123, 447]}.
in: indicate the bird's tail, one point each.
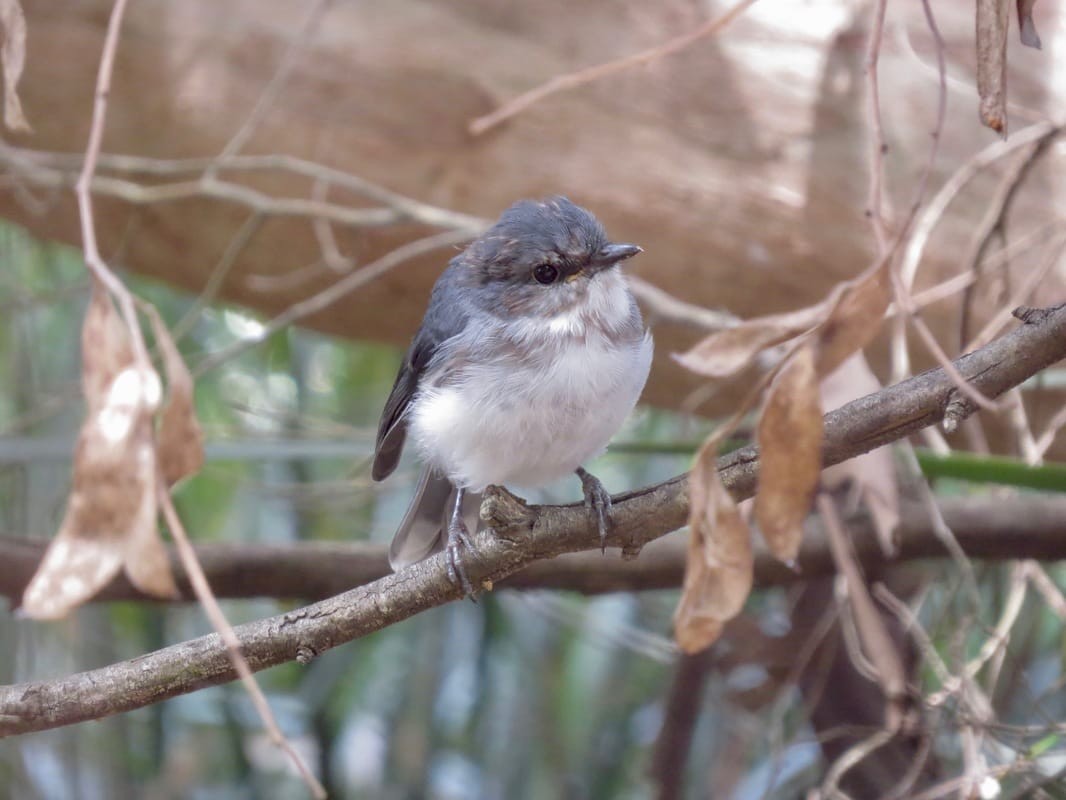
{"type": "Point", "coordinates": [424, 528]}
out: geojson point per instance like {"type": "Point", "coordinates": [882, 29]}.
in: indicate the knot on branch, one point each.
{"type": "Point", "coordinates": [958, 409]}
{"type": "Point", "coordinates": [503, 511]}
{"type": "Point", "coordinates": [1034, 316]}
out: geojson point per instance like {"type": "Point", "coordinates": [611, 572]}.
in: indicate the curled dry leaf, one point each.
{"type": "Point", "coordinates": [110, 519]}
{"type": "Point", "coordinates": [181, 439]}
{"type": "Point", "coordinates": [872, 475]}
{"type": "Point", "coordinates": [719, 565]}
{"type": "Point", "coordinates": [854, 317]}
{"type": "Point", "coordinates": [790, 459]}
{"type": "Point", "coordinates": [1029, 36]}
{"type": "Point", "coordinates": [13, 59]}
{"type": "Point", "coordinates": [727, 352]}
{"type": "Point", "coordinates": [992, 18]}
{"type": "Point", "coordinates": [105, 348]}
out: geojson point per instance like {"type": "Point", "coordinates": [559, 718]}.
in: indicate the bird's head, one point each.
{"type": "Point", "coordinates": [541, 258]}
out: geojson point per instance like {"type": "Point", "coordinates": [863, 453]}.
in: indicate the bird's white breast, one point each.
{"type": "Point", "coordinates": [543, 397]}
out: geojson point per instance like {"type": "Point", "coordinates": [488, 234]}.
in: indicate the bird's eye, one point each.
{"type": "Point", "coordinates": [545, 273]}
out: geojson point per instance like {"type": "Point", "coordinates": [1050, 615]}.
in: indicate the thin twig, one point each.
{"type": "Point", "coordinates": [934, 213]}
{"type": "Point", "coordinates": [327, 242]}
{"type": "Point", "coordinates": [274, 86]}
{"type": "Point", "coordinates": [229, 257]}
{"type": "Point", "coordinates": [993, 223]}
{"type": "Point", "coordinates": [1047, 438]}
{"type": "Point", "coordinates": [330, 295]}
{"type": "Point", "coordinates": [876, 644]}
{"type": "Point", "coordinates": [663, 306]}
{"type": "Point", "coordinates": [198, 581]}
{"type": "Point", "coordinates": [574, 79]}
{"type": "Point", "coordinates": [878, 146]}
{"type": "Point", "coordinates": [60, 169]}
{"type": "Point", "coordinates": [93, 260]}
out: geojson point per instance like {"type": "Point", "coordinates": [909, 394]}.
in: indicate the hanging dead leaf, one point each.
{"type": "Point", "coordinates": [112, 508]}
{"type": "Point", "coordinates": [725, 353]}
{"type": "Point", "coordinates": [13, 59]}
{"type": "Point", "coordinates": [992, 17]}
{"type": "Point", "coordinates": [181, 439]}
{"type": "Point", "coordinates": [719, 565]}
{"type": "Point", "coordinates": [790, 453]}
{"type": "Point", "coordinates": [854, 318]}
{"type": "Point", "coordinates": [105, 348]}
{"type": "Point", "coordinates": [872, 475]}
{"type": "Point", "coordinates": [1027, 29]}
{"type": "Point", "coordinates": [110, 519]}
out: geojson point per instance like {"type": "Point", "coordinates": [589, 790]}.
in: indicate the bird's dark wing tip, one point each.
{"type": "Point", "coordinates": [387, 454]}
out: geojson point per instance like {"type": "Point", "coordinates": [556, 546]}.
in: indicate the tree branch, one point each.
{"type": "Point", "coordinates": [523, 534]}
{"type": "Point", "coordinates": [1026, 526]}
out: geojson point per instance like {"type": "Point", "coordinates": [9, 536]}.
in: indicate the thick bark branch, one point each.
{"type": "Point", "coordinates": [1025, 526]}
{"type": "Point", "coordinates": [523, 535]}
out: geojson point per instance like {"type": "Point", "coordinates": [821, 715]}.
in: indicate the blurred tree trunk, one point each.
{"type": "Point", "coordinates": [739, 164]}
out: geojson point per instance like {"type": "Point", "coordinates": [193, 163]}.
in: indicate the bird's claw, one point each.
{"type": "Point", "coordinates": [458, 539]}
{"type": "Point", "coordinates": [598, 502]}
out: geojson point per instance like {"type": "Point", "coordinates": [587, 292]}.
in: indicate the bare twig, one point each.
{"type": "Point", "coordinates": [349, 283]}
{"type": "Point", "coordinates": [60, 169]}
{"type": "Point", "coordinates": [93, 260]}
{"type": "Point", "coordinates": [274, 86]}
{"type": "Point", "coordinates": [1047, 438]}
{"type": "Point", "coordinates": [878, 146]}
{"type": "Point", "coordinates": [934, 212]}
{"type": "Point", "coordinates": [992, 225]}
{"type": "Point", "coordinates": [854, 754]}
{"type": "Point", "coordinates": [1033, 278]}
{"type": "Point", "coordinates": [198, 581]}
{"type": "Point", "coordinates": [877, 645]}
{"type": "Point", "coordinates": [574, 79]}
{"type": "Point", "coordinates": [229, 257]}
{"type": "Point", "coordinates": [663, 306]}
{"type": "Point", "coordinates": [327, 242]}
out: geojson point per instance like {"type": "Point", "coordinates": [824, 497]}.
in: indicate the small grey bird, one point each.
{"type": "Point", "coordinates": [530, 356]}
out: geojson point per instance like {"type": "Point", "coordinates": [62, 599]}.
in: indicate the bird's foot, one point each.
{"type": "Point", "coordinates": [597, 501]}
{"type": "Point", "coordinates": [458, 540]}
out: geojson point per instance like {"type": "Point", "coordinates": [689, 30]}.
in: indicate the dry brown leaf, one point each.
{"type": "Point", "coordinates": [873, 475]}
{"type": "Point", "coordinates": [1027, 29]}
{"type": "Point", "coordinates": [111, 515]}
{"type": "Point", "coordinates": [992, 17]}
{"type": "Point", "coordinates": [790, 453]}
{"type": "Point", "coordinates": [725, 353]}
{"type": "Point", "coordinates": [13, 59]}
{"type": "Point", "coordinates": [181, 439]}
{"type": "Point", "coordinates": [854, 319]}
{"type": "Point", "coordinates": [719, 565]}
{"type": "Point", "coordinates": [105, 348]}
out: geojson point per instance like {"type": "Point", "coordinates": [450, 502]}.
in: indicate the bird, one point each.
{"type": "Point", "coordinates": [531, 354]}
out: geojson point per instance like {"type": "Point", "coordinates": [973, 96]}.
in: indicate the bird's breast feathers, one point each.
{"type": "Point", "coordinates": [533, 400]}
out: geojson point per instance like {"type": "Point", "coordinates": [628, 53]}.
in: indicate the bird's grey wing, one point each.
{"type": "Point", "coordinates": [445, 317]}
{"type": "Point", "coordinates": [423, 530]}
{"type": "Point", "coordinates": [392, 430]}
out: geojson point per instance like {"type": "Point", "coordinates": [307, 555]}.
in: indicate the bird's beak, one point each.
{"type": "Point", "coordinates": [611, 254]}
